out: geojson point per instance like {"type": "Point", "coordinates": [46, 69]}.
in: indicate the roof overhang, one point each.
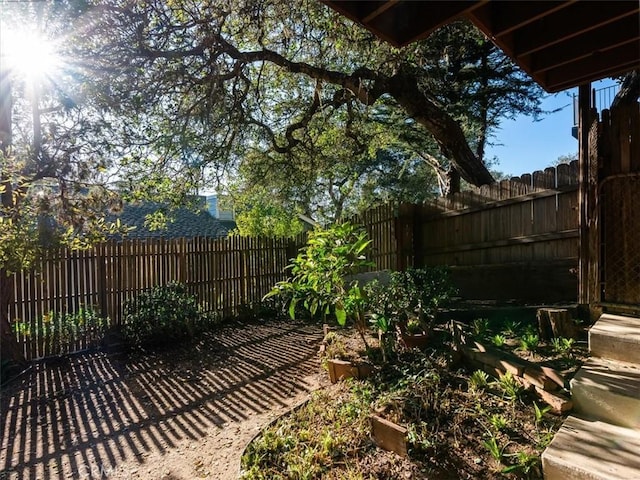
{"type": "Point", "coordinates": [561, 44]}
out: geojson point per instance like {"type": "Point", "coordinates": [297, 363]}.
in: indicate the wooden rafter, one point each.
{"type": "Point", "coordinates": [561, 44]}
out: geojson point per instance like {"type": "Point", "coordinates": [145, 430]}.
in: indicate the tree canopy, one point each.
{"type": "Point", "coordinates": [201, 83]}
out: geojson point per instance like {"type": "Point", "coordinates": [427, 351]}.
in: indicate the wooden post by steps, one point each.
{"type": "Point", "coordinates": [555, 323]}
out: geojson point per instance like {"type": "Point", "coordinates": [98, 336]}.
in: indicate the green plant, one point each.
{"type": "Point", "coordinates": [510, 387]}
{"type": "Point", "coordinates": [162, 314]}
{"type": "Point", "coordinates": [413, 294]}
{"type": "Point", "coordinates": [385, 327]}
{"type": "Point", "coordinates": [419, 435]}
{"type": "Point", "coordinates": [512, 328]}
{"type": "Point", "coordinates": [539, 412]}
{"type": "Point", "coordinates": [480, 327]}
{"type": "Point", "coordinates": [414, 326]}
{"type": "Point", "coordinates": [498, 340]}
{"type": "Point", "coordinates": [498, 422]}
{"type": "Point", "coordinates": [60, 331]}
{"type": "Point", "coordinates": [529, 342]}
{"type": "Point", "coordinates": [497, 452]}
{"type": "Point", "coordinates": [318, 275]}
{"type": "Point", "coordinates": [526, 463]}
{"type": "Point", "coordinates": [563, 346]}
{"type": "Point", "coordinates": [544, 439]}
{"type": "Point", "coordinates": [478, 380]}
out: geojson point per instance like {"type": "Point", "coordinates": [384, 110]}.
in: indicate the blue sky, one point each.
{"type": "Point", "coordinates": [524, 145]}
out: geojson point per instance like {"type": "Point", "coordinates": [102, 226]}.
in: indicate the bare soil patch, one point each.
{"type": "Point", "coordinates": [182, 413]}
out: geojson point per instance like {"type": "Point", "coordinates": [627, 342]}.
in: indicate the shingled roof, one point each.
{"type": "Point", "coordinates": [186, 223]}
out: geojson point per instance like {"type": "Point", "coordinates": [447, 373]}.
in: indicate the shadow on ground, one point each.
{"type": "Point", "coordinates": [81, 417]}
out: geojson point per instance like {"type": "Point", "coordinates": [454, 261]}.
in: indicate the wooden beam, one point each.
{"type": "Point", "coordinates": [584, 108]}
{"type": "Point", "coordinates": [504, 17]}
{"type": "Point", "coordinates": [611, 36]}
{"type": "Point", "coordinates": [379, 11]}
{"type": "Point", "coordinates": [410, 21]}
{"type": "Point", "coordinates": [522, 240]}
{"type": "Point", "coordinates": [624, 57]}
{"type": "Point", "coordinates": [568, 23]}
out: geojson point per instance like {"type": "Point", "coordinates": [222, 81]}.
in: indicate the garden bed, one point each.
{"type": "Point", "coordinates": [460, 422]}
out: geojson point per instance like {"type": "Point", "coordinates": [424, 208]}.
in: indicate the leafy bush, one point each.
{"type": "Point", "coordinates": [61, 330]}
{"type": "Point", "coordinates": [319, 275]}
{"type": "Point", "coordinates": [415, 293]}
{"type": "Point", "coordinates": [163, 314]}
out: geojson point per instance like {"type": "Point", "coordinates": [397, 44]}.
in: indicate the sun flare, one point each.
{"type": "Point", "coordinates": [28, 53]}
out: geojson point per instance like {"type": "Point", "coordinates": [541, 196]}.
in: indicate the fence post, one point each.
{"type": "Point", "coordinates": [243, 246]}
{"type": "Point", "coordinates": [102, 280]}
{"type": "Point", "coordinates": [405, 236]}
{"type": "Point", "coordinates": [418, 236]}
{"type": "Point", "coordinates": [182, 260]}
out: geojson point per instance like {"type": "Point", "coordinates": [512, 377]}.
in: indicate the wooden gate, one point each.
{"type": "Point", "coordinates": [618, 200]}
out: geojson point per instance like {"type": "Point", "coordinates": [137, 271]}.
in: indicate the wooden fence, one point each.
{"type": "Point", "coordinates": [514, 240]}
{"type": "Point", "coordinates": [225, 274]}
{"type": "Point", "coordinates": [615, 153]}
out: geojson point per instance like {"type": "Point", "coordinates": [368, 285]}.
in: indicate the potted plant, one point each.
{"type": "Point", "coordinates": [319, 284]}
{"type": "Point", "coordinates": [414, 334]}
{"type": "Point", "coordinates": [409, 300]}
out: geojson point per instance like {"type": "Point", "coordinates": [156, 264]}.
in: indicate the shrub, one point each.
{"type": "Point", "coordinates": [414, 293]}
{"type": "Point", "coordinates": [162, 314]}
{"type": "Point", "coordinates": [319, 274]}
{"type": "Point", "coordinates": [59, 331]}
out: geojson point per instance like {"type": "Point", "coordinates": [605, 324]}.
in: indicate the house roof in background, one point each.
{"type": "Point", "coordinates": [561, 44]}
{"type": "Point", "coordinates": [187, 222]}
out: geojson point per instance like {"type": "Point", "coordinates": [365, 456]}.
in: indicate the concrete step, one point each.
{"type": "Point", "coordinates": [594, 450]}
{"type": "Point", "coordinates": [616, 337]}
{"type": "Point", "coordinates": [609, 391]}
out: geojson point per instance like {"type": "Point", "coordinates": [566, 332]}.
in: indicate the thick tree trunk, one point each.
{"type": "Point", "coordinates": [453, 179]}
{"type": "Point", "coordinates": [447, 133]}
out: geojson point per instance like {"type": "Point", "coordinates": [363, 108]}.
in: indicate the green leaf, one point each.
{"type": "Point", "coordinates": [292, 309]}
{"type": "Point", "coordinates": [341, 315]}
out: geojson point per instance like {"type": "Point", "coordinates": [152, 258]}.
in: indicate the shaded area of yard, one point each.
{"type": "Point", "coordinates": [164, 415]}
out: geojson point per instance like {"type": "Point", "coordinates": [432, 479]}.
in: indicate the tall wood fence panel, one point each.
{"type": "Point", "coordinates": [619, 216]}
{"type": "Point", "coordinates": [513, 240]}
{"type": "Point", "coordinates": [225, 274]}
{"type": "Point", "coordinates": [382, 226]}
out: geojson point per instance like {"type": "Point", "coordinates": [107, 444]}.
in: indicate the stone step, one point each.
{"type": "Point", "coordinates": [586, 449]}
{"type": "Point", "coordinates": [616, 337]}
{"type": "Point", "coordinates": [609, 391]}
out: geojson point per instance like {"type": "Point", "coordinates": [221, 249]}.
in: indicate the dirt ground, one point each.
{"type": "Point", "coordinates": [184, 413]}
